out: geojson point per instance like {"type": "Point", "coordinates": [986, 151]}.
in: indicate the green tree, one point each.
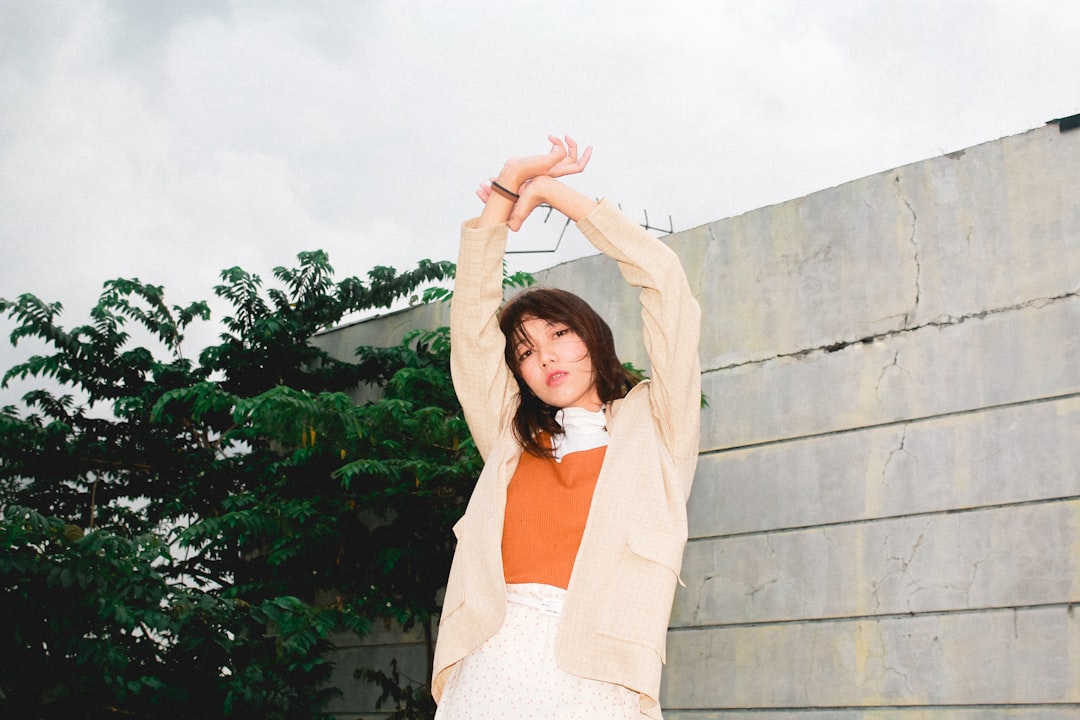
{"type": "Point", "coordinates": [181, 538]}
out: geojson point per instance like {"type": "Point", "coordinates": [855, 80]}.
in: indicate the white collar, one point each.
{"type": "Point", "coordinates": [582, 430]}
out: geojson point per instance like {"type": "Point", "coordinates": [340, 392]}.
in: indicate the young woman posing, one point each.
{"type": "Point", "coordinates": [569, 551]}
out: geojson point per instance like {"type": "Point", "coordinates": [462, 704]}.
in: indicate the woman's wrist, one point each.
{"type": "Point", "coordinates": [511, 179]}
{"type": "Point", "coordinates": [565, 199]}
{"type": "Point", "coordinates": [506, 192]}
{"type": "Point", "coordinates": [516, 172]}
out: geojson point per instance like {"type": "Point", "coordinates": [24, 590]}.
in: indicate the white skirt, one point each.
{"type": "Point", "coordinates": [514, 675]}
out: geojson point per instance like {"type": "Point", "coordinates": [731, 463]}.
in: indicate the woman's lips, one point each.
{"type": "Point", "coordinates": [556, 377]}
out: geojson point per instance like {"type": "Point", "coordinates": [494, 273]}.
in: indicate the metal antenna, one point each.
{"type": "Point", "coordinates": [562, 233]}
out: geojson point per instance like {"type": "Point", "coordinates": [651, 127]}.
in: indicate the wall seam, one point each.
{"type": "Point", "coordinates": [945, 322]}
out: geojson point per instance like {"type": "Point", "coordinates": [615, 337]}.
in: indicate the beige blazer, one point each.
{"type": "Point", "coordinates": [618, 602]}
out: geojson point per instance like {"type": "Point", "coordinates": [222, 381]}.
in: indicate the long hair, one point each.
{"type": "Point", "coordinates": [611, 379]}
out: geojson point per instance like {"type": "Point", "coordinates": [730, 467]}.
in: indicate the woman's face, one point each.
{"type": "Point", "coordinates": [554, 362]}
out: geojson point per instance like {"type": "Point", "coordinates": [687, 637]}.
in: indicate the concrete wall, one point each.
{"type": "Point", "coordinates": [885, 522]}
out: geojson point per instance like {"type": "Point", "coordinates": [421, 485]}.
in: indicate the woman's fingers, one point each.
{"type": "Point", "coordinates": [584, 160]}
{"type": "Point", "coordinates": [573, 162]}
{"type": "Point", "coordinates": [557, 146]}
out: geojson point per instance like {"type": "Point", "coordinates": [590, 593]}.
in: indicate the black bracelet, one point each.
{"type": "Point", "coordinates": [503, 191]}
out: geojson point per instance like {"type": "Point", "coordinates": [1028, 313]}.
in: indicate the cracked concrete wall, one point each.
{"type": "Point", "coordinates": [885, 522]}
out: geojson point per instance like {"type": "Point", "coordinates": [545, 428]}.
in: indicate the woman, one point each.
{"type": "Point", "coordinates": [568, 553]}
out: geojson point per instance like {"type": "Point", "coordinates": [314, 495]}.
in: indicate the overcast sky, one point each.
{"type": "Point", "coordinates": [169, 140]}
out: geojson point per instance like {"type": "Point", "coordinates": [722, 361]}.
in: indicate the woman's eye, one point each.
{"type": "Point", "coordinates": [560, 333]}
{"type": "Point", "coordinates": [524, 355]}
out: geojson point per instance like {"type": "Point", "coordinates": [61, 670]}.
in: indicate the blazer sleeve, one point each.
{"type": "Point", "coordinates": [483, 383]}
{"type": "Point", "coordinates": [671, 323]}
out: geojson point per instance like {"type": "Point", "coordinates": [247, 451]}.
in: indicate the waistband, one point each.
{"type": "Point", "coordinates": [548, 599]}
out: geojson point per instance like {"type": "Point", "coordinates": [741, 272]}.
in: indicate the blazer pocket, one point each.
{"type": "Point", "coordinates": [660, 547]}
{"type": "Point", "coordinates": [639, 605]}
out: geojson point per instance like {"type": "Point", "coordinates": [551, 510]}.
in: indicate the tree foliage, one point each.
{"type": "Point", "coordinates": [183, 538]}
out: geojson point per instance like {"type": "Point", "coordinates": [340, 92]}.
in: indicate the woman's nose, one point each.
{"type": "Point", "coordinates": [547, 353]}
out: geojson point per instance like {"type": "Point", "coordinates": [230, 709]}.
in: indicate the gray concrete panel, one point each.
{"type": "Point", "coordinates": [385, 330]}
{"type": "Point", "coordinates": [831, 266]}
{"type": "Point", "coordinates": [982, 712]}
{"type": "Point", "coordinates": [991, 558]}
{"type": "Point", "coordinates": [982, 362]}
{"type": "Point", "coordinates": [359, 696]}
{"type": "Point", "coordinates": [987, 658]}
{"type": "Point", "coordinates": [995, 225]}
{"type": "Point", "coordinates": [1009, 454]}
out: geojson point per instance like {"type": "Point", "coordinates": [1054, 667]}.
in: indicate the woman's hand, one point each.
{"type": "Point", "coordinates": [518, 174]}
{"type": "Point", "coordinates": [562, 159]}
{"type": "Point", "coordinates": [570, 164]}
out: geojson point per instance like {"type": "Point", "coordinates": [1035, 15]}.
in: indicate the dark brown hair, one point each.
{"type": "Point", "coordinates": [612, 380]}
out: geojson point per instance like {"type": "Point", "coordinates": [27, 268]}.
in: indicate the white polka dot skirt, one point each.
{"type": "Point", "coordinates": [513, 674]}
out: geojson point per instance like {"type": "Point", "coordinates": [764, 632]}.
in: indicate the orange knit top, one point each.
{"type": "Point", "coordinates": [547, 503]}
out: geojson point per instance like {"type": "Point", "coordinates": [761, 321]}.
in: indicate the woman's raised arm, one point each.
{"type": "Point", "coordinates": [482, 380]}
